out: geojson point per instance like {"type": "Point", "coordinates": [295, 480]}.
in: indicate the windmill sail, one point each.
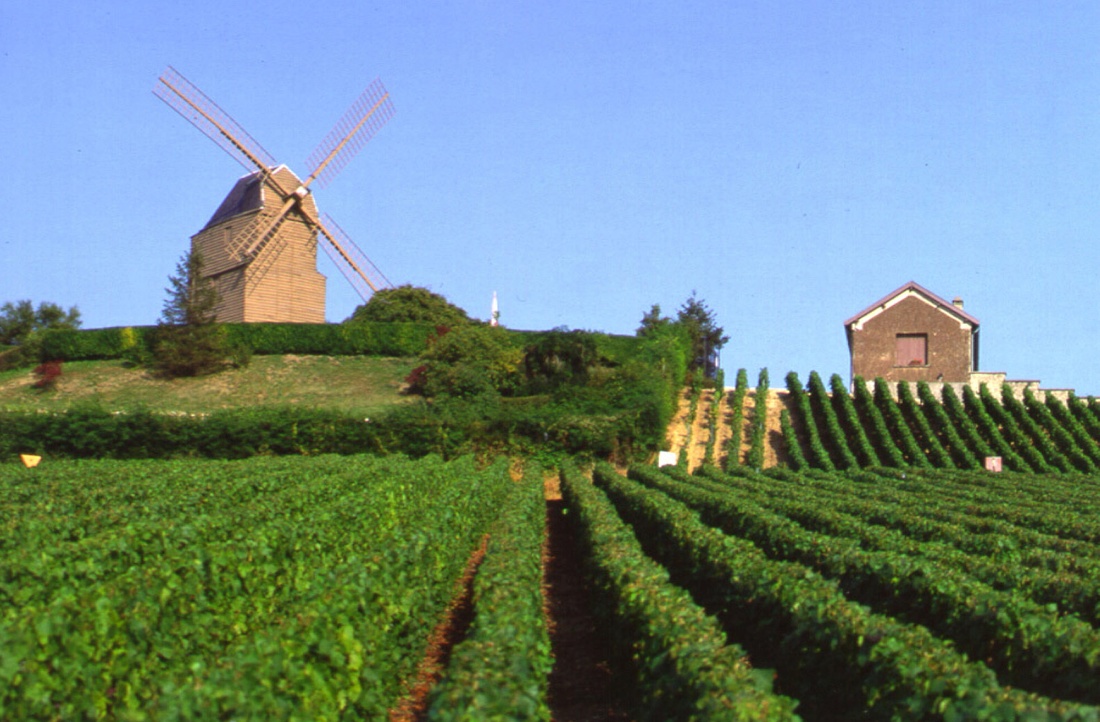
{"type": "Point", "coordinates": [203, 113]}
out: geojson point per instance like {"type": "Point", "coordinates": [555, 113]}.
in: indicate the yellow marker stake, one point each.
{"type": "Point", "coordinates": [30, 460]}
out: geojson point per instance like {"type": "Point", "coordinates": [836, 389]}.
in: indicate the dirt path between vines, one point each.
{"type": "Point", "coordinates": [451, 630]}
{"type": "Point", "coordinates": [678, 427]}
{"type": "Point", "coordinates": [775, 451]}
{"type": "Point", "coordinates": [580, 683]}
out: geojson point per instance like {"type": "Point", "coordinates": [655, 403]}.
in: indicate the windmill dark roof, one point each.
{"type": "Point", "coordinates": [247, 195]}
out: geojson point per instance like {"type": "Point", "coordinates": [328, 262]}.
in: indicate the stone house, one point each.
{"type": "Point", "coordinates": [913, 335]}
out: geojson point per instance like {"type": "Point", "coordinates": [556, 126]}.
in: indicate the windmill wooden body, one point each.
{"type": "Point", "coordinates": [260, 246]}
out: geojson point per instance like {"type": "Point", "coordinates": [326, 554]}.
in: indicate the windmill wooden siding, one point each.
{"type": "Point", "coordinates": [913, 335]}
{"type": "Point", "coordinates": [281, 283]}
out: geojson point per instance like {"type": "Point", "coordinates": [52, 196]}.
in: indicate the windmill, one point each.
{"type": "Point", "coordinates": [260, 246]}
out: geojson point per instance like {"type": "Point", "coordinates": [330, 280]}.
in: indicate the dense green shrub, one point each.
{"type": "Point", "coordinates": [409, 303]}
{"type": "Point", "coordinates": [367, 339]}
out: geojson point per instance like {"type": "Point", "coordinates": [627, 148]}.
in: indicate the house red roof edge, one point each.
{"type": "Point", "coordinates": [913, 285]}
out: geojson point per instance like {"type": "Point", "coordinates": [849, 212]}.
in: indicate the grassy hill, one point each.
{"type": "Point", "coordinates": [354, 384]}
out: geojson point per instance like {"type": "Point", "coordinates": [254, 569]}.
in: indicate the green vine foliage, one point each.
{"type": "Point", "coordinates": [737, 411]}
{"type": "Point", "coordinates": [819, 456]}
{"type": "Point", "coordinates": [898, 426]}
{"type": "Point", "coordinates": [941, 425]}
{"type": "Point", "coordinates": [758, 430]}
{"type": "Point", "coordinates": [825, 418]}
{"type": "Point", "coordinates": [851, 427]}
{"type": "Point", "coordinates": [976, 410]}
{"type": "Point", "coordinates": [1063, 416]}
{"type": "Point", "coordinates": [1042, 420]}
{"type": "Point", "coordinates": [1012, 431]}
{"type": "Point", "coordinates": [922, 431]}
{"type": "Point", "coordinates": [887, 451]}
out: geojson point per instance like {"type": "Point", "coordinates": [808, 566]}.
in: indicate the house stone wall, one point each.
{"type": "Point", "coordinates": [949, 343]}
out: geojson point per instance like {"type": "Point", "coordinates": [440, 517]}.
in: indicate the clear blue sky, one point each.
{"type": "Point", "coordinates": [791, 162]}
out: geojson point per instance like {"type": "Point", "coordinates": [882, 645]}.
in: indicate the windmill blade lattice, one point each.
{"type": "Point", "coordinates": [360, 271]}
{"type": "Point", "coordinates": [183, 97]}
{"type": "Point", "coordinates": [358, 125]}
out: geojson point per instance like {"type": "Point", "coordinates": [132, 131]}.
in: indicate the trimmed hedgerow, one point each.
{"type": "Point", "coordinates": [346, 339]}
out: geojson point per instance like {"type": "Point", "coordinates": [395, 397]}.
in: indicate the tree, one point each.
{"type": "Point", "coordinates": [559, 357]}
{"type": "Point", "coordinates": [410, 303]}
{"type": "Point", "coordinates": [652, 322]}
{"type": "Point", "coordinates": [18, 320]}
{"type": "Point", "coordinates": [706, 335]}
{"type": "Point", "coordinates": [192, 298]}
{"type": "Point", "coordinates": [187, 340]}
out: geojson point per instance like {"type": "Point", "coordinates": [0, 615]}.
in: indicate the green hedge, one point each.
{"type": "Point", "coordinates": [88, 431]}
{"type": "Point", "coordinates": [368, 339]}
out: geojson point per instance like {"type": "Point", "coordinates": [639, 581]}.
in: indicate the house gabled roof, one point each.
{"type": "Point", "coordinates": [912, 288]}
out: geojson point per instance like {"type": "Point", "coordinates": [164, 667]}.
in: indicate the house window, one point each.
{"type": "Point", "coordinates": [912, 349]}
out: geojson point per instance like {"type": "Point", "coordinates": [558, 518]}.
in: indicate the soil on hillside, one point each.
{"type": "Point", "coordinates": [775, 452]}
{"type": "Point", "coordinates": [678, 427]}
{"type": "Point", "coordinates": [725, 430]}
{"type": "Point", "coordinates": [700, 431]}
{"type": "Point", "coordinates": [581, 687]}
{"type": "Point", "coordinates": [451, 630]}
{"type": "Point", "coordinates": [581, 682]}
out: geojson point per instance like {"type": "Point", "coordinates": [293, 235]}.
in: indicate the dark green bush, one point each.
{"type": "Point", "coordinates": [348, 339]}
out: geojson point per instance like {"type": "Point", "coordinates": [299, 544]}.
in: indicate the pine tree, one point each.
{"type": "Point", "coordinates": [188, 340]}
{"type": "Point", "coordinates": [707, 336]}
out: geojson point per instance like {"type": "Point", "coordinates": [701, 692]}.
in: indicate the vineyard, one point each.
{"type": "Point", "coordinates": [829, 428]}
{"type": "Point", "coordinates": [816, 554]}
{"type": "Point", "coordinates": [286, 588]}
{"type": "Point", "coordinates": [981, 606]}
